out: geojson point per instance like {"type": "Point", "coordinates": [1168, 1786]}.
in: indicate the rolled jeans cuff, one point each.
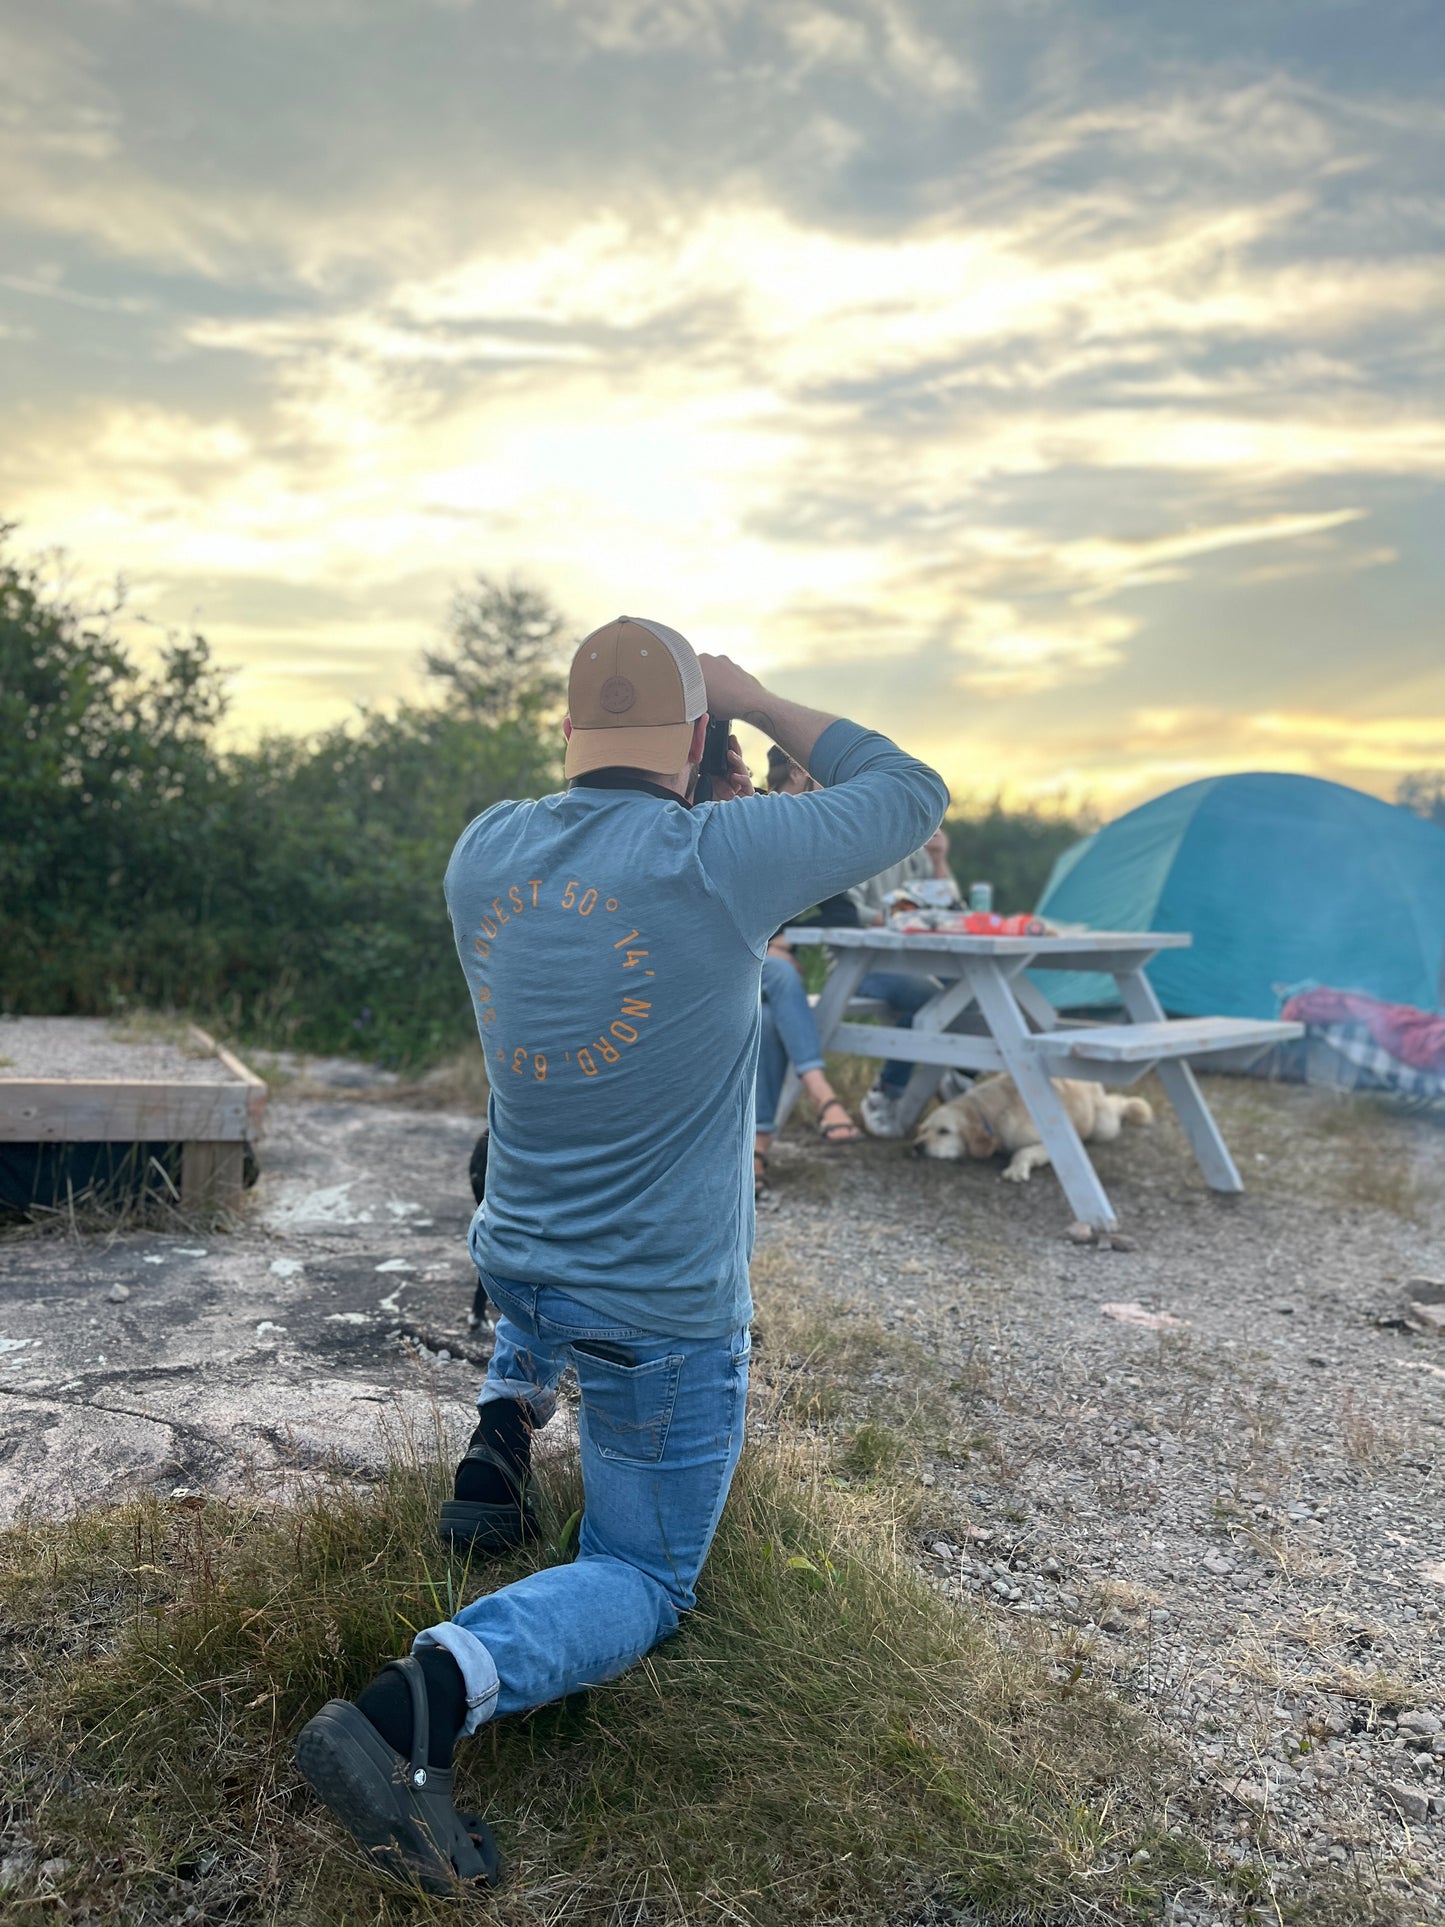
{"type": "Point", "coordinates": [476, 1665]}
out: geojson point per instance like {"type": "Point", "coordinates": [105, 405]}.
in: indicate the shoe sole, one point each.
{"type": "Point", "coordinates": [362, 1797]}
{"type": "Point", "coordinates": [486, 1528]}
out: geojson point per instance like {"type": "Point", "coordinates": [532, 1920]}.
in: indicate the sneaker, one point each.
{"type": "Point", "coordinates": [953, 1084]}
{"type": "Point", "coordinates": [878, 1114]}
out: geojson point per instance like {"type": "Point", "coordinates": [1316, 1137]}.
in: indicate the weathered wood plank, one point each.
{"type": "Point", "coordinates": [962, 1050]}
{"type": "Point", "coordinates": [212, 1176]}
{"type": "Point", "coordinates": [1168, 1038]}
{"type": "Point", "coordinates": [256, 1087]}
{"type": "Point", "coordinates": [35, 1110]}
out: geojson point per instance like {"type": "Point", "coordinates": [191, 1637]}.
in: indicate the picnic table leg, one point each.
{"type": "Point", "coordinates": [843, 980]}
{"type": "Point", "coordinates": [1087, 1197]}
{"type": "Point", "coordinates": [950, 1002]}
{"type": "Point", "coordinates": [1136, 993]}
{"type": "Point", "coordinates": [1034, 1004]}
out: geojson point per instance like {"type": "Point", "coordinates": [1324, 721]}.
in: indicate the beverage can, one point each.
{"type": "Point", "coordinates": [980, 896]}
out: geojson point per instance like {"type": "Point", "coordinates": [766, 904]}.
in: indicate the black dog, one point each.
{"type": "Point", "coordinates": [477, 1170]}
{"type": "Point", "coordinates": [478, 1173]}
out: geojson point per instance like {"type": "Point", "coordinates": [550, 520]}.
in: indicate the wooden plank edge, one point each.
{"type": "Point", "coordinates": [257, 1089]}
{"type": "Point", "coordinates": [232, 1063]}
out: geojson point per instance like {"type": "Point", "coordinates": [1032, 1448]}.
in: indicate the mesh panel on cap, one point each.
{"type": "Point", "coordinates": [694, 690]}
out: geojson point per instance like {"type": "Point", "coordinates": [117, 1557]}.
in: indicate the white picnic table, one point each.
{"type": "Point", "coordinates": [1026, 1036]}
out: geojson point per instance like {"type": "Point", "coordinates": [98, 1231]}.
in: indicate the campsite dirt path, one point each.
{"type": "Point", "coordinates": [1236, 1520]}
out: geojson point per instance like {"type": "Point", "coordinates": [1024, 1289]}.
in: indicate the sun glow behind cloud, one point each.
{"type": "Point", "coordinates": [1017, 433]}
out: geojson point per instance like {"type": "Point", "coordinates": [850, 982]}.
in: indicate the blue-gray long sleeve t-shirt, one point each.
{"type": "Point", "coordinates": [612, 941]}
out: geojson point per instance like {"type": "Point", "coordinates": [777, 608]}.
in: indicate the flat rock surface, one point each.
{"type": "Point", "coordinates": [237, 1362]}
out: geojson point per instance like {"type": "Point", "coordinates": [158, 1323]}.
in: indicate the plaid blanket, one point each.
{"type": "Point", "coordinates": [1412, 1037]}
{"type": "Point", "coordinates": [1376, 1068]}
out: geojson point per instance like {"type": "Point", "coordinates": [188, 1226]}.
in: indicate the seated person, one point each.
{"type": "Point", "coordinates": [790, 1032]}
{"type": "Point", "coordinates": [905, 994]}
{"type": "Point", "coordinates": [787, 778]}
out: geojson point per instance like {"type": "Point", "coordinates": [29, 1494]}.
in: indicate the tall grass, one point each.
{"type": "Point", "coordinates": [825, 1740]}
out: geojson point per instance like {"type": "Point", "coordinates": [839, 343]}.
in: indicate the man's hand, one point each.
{"type": "Point", "coordinates": [936, 849]}
{"type": "Point", "coordinates": [738, 781]}
{"type": "Point", "coordinates": [731, 691]}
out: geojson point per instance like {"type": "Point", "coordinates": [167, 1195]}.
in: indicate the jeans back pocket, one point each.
{"type": "Point", "coordinates": [627, 1408]}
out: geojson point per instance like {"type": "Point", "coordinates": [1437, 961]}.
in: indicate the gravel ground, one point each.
{"type": "Point", "coordinates": [1234, 1517]}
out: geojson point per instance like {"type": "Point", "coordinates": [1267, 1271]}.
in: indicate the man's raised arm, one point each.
{"type": "Point", "coordinates": [734, 694]}
{"type": "Point", "coordinates": [879, 805]}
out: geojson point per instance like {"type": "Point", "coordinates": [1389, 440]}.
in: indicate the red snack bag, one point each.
{"type": "Point", "coordinates": [988, 923]}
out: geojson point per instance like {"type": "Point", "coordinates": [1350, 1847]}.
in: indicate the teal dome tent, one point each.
{"type": "Point", "coordinates": [1279, 879]}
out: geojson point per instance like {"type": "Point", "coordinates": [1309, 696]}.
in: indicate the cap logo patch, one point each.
{"type": "Point", "coordinates": [617, 695]}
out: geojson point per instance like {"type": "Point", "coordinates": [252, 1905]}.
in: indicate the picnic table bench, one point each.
{"type": "Point", "coordinates": [986, 981]}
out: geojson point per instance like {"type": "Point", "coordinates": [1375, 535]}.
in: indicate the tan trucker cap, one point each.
{"type": "Point", "coordinates": [634, 693]}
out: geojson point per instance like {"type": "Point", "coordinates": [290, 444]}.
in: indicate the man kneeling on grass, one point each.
{"type": "Point", "coordinates": [613, 940]}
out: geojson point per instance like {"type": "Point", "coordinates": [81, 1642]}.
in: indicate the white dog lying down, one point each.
{"type": "Point", "coordinates": [992, 1117]}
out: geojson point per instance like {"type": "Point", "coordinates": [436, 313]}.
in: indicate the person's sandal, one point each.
{"type": "Point", "coordinates": [400, 1810]}
{"type": "Point", "coordinates": [761, 1187]}
{"type": "Point", "coordinates": [845, 1133]}
{"type": "Point", "coordinates": [489, 1528]}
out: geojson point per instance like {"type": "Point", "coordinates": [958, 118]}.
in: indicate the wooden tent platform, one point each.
{"type": "Point", "coordinates": [84, 1080]}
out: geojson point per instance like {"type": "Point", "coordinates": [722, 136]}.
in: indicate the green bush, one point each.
{"type": "Point", "coordinates": [1014, 850]}
{"type": "Point", "coordinates": [292, 890]}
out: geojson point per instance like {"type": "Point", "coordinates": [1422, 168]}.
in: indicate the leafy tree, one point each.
{"type": "Point", "coordinates": [501, 661]}
{"type": "Point", "coordinates": [1423, 791]}
{"type": "Point", "coordinates": [106, 772]}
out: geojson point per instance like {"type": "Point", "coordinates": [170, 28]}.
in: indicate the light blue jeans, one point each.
{"type": "Point", "coordinates": [661, 1427]}
{"type": "Point", "coordinates": [790, 1032]}
{"type": "Point", "coordinates": [905, 995]}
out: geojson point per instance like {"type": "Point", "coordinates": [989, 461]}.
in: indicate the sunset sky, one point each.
{"type": "Point", "coordinates": [1056, 384]}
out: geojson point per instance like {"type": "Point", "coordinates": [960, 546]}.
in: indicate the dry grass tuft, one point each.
{"type": "Point", "coordinates": [134, 1200]}
{"type": "Point", "coordinates": [852, 1077]}
{"type": "Point", "coordinates": [159, 1027]}
{"type": "Point", "coordinates": [457, 1083]}
{"type": "Point", "coordinates": [1367, 1440]}
{"type": "Point", "coordinates": [1357, 1150]}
